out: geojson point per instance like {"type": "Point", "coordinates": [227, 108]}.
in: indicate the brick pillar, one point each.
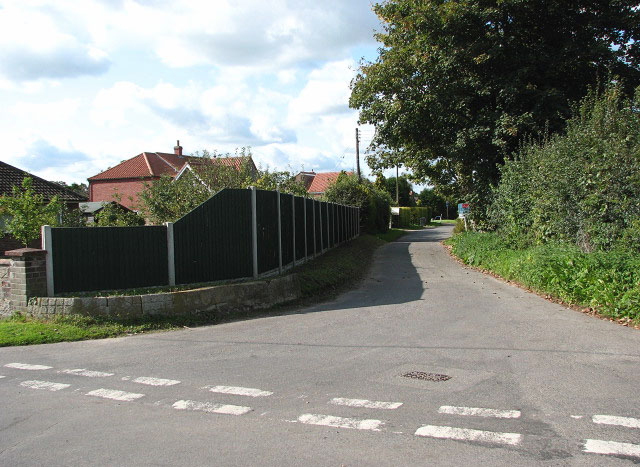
{"type": "Point", "coordinates": [27, 275]}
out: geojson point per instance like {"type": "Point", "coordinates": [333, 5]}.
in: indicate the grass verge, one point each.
{"type": "Point", "coordinates": [608, 283]}
{"type": "Point", "coordinates": [327, 275]}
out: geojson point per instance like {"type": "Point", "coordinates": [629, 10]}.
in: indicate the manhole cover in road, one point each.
{"type": "Point", "coordinates": [426, 376]}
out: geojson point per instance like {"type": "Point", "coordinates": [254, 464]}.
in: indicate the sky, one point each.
{"type": "Point", "coordinates": [87, 84]}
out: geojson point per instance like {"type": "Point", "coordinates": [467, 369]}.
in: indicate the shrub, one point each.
{"type": "Point", "coordinates": [374, 203]}
{"type": "Point", "coordinates": [411, 216]}
{"type": "Point", "coordinates": [582, 187]}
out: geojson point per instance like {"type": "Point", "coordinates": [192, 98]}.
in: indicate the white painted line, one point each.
{"type": "Point", "coordinates": [156, 381]}
{"type": "Point", "coordinates": [365, 403]}
{"type": "Point", "coordinates": [115, 395]}
{"type": "Point", "coordinates": [48, 385]}
{"type": "Point", "coordinates": [2, 376]}
{"type": "Point", "coordinates": [26, 366]}
{"type": "Point", "coordinates": [621, 421]}
{"type": "Point", "coordinates": [238, 391]}
{"type": "Point", "coordinates": [597, 446]}
{"type": "Point", "coordinates": [87, 373]}
{"type": "Point", "coordinates": [479, 412]}
{"type": "Point", "coordinates": [465, 434]}
{"type": "Point", "coordinates": [340, 422]}
{"type": "Point", "coordinates": [225, 409]}
{"type": "Point", "coordinates": [577, 417]}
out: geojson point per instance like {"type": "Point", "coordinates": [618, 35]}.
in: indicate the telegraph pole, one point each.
{"type": "Point", "coordinates": [358, 154]}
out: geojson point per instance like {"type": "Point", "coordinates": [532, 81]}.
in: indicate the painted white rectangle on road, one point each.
{"type": "Point", "coordinates": [466, 434]}
{"type": "Point", "coordinates": [613, 420]}
{"type": "Point", "coordinates": [48, 385]}
{"type": "Point", "coordinates": [156, 381]}
{"type": "Point", "coordinates": [2, 376]}
{"type": "Point", "coordinates": [614, 448]}
{"type": "Point", "coordinates": [209, 407]}
{"type": "Point", "coordinates": [479, 412]}
{"type": "Point", "coordinates": [239, 391]}
{"type": "Point", "coordinates": [87, 373]}
{"type": "Point", "coordinates": [365, 403]}
{"type": "Point", "coordinates": [115, 395]}
{"type": "Point", "coordinates": [27, 366]}
{"type": "Point", "coordinates": [340, 422]}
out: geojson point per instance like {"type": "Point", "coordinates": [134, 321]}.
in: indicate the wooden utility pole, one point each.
{"type": "Point", "coordinates": [358, 154]}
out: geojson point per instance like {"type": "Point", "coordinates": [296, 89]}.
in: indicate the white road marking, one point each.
{"type": "Point", "coordinates": [597, 446]}
{"type": "Point", "coordinates": [48, 385]}
{"type": "Point", "coordinates": [340, 422]}
{"type": "Point", "coordinates": [465, 434]}
{"type": "Point", "coordinates": [621, 421]}
{"type": "Point", "coordinates": [365, 403]}
{"type": "Point", "coordinates": [479, 412]}
{"type": "Point", "coordinates": [577, 417]}
{"type": "Point", "coordinates": [238, 391]}
{"type": "Point", "coordinates": [211, 408]}
{"type": "Point", "coordinates": [87, 373]}
{"type": "Point", "coordinates": [27, 366]}
{"type": "Point", "coordinates": [156, 381]}
{"type": "Point", "coordinates": [2, 376]}
{"type": "Point", "coordinates": [115, 395]}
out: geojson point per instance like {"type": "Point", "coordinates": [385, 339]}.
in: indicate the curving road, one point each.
{"type": "Point", "coordinates": [499, 377]}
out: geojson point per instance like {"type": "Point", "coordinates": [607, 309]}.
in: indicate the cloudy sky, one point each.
{"type": "Point", "coordinates": [87, 84]}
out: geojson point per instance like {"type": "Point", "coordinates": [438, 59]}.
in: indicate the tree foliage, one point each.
{"type": "Point", "coordinates": [374, 203]}
{"type": "Point", "coordinates": [405, 190]}
{"type": "Point", "coordinates": [458, 84]}
{"type": "Point", "coordinates": [168, 199]}
{"type": "Point", "coordinates": [582, 187]}
{"type": "Point", "coordinates": [27, 211]}
{"type": "Point", "coordinates": [438, 204]}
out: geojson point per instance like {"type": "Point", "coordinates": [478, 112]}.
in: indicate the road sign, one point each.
{"type": "Point", "coordinates": [464, 208]}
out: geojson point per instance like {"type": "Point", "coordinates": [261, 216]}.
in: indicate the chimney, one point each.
{"type": "Point", "coordinates": [177, 148]}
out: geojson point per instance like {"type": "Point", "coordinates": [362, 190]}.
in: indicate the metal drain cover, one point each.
{"type": "Point", "coordinates": [426, 376]}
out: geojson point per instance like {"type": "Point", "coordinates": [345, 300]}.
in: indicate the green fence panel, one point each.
{"type": "Point", "coordinates": [300, 235]}
{"type": "Point", "coordinates": [318, 228]}
{"type": "Point", "coordinates": [310, 231]}
{"type": "Point", "coordinates": [214, 242]}
{"type": "Point", "coordinates": [267, 216]}
{"type": "Point", "coordinates": [286, 212]}
{"type": "Point", "coordinates": [107, 258]}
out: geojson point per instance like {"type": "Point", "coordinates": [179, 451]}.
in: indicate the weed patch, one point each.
{"type": "Point", "coordinates": [608, 282]}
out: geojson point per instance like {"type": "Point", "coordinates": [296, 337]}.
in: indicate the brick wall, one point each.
{"type": "Point", "coordinates": [103, 190]}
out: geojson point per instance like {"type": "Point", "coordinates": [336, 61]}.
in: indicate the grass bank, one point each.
{"type": "Point", "coordinates": [327, 275]}
{"type": "Point", "coordinates": [608, 282]}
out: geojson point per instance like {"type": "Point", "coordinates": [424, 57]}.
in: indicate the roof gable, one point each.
{"type": "Point", "coordinates": [322, 181]}
{"type": "Point", "coordinates": [11, 176]}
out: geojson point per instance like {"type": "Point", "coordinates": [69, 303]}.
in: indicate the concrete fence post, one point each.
{"type": "Point", "coordinates": [279, 234]}
{"type": "Point", "coordinates": [171, 254]}
{"type": "Point", "coordinates": [293, 223]}
{"type": "Point", "coordinates": [254, 231]}
{"type": "Point", "coordinates": [47, 245]}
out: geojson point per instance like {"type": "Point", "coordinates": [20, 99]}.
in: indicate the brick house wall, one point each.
{"type": "Point", "coordinates": [103, 190]}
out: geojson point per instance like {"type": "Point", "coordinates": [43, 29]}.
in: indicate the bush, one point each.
{"type": "Point", "coordinates": [582, 187]}
{"type": "Point", "coordinates": [411, 216]}
{"type": "Point", "coordinates": [374, 204]}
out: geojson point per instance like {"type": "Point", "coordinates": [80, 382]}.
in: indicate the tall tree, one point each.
{"type": "Point", "coordinates": [458, 84]}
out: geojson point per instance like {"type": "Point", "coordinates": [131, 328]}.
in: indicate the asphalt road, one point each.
{"type": "Point", "coordinates": [531, 383]}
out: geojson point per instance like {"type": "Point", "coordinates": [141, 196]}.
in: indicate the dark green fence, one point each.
{"type": "Point", "coordinates": [213, 242]}
{"type": "Point", "coordinates": [234, 234]}
{"type": "Point", "coordinates": [106, 258]}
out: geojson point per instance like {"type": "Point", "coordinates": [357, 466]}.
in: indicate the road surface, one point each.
{"type": "Point", "coordinates": [495, 376]}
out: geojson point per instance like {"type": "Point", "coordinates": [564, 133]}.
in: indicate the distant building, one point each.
{"type": "Point", "coordinates": [317, 184]}
{"type": "Point", "coordinates": [128, 178]}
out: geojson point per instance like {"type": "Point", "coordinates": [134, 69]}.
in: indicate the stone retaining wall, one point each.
{"type": "Point", "coordinates": [216, 299]}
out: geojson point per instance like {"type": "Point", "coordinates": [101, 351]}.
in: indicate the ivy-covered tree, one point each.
{"type": "Point", "coordinates": [458, 84]}
{"type": "Point", "coordinates": [27, 211]}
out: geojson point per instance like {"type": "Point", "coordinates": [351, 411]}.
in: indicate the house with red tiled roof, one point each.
{"type": "Point", "coordinates": [128, 178]}
{"type": "Point", "coordinates": [317, 183]}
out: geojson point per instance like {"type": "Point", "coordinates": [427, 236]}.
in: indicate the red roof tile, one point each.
{"type": "Point", "coordinates": [322, 181]}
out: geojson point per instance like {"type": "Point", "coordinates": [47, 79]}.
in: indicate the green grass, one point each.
{"type": "Point", "coordinates": [608, 282]}
{"type": "Point", "coordinates": [443, 221]}
{"type": "Point", "coordinates": [327, 275]}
